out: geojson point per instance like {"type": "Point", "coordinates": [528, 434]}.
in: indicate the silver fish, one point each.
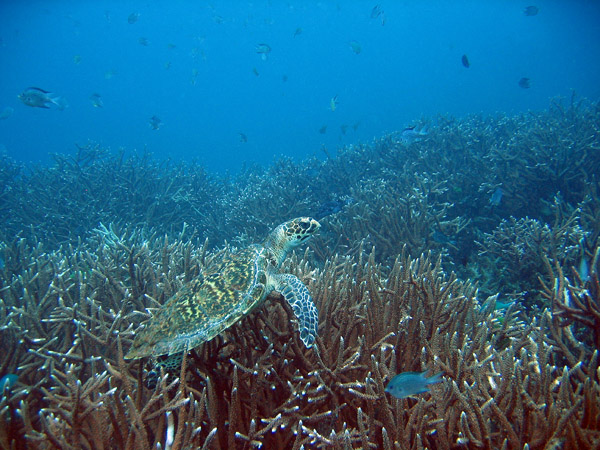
{"type": "Point", "coordinates": [39, 98]}
{"type": "Point", "coordinates": [411, 134]}
{"type": "Point", "coordinates": [155, 122]}
{"type": "Point", "coordinates": [263, 50]}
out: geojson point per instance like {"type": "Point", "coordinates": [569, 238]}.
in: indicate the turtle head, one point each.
{"type": "Point", "coordinates": [289, 235]}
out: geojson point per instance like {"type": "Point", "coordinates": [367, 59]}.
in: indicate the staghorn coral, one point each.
{"type": "Point", "coordinates": [70, 314]}
{"type": "Point", "coordinates": [73, 291]}
{"type": "Point", "coordinates": [512, 256]}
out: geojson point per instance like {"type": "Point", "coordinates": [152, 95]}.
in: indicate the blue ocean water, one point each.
{"type": "Point", "coordinates": [194, 66]}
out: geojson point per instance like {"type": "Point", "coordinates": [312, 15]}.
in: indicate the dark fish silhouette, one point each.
{"type": "Point", "coordinates": [525, 83]}
{"type": "Point", "coordinates": [155, 122]}
{"type": "Point", "coordinates": [465, 61]}
{"type": "Point", "coordinates": [323, 129]}
{"type": "Point", "coordinates": [133, 18]}
{"type": "Point", "coordinates": [531, 10]}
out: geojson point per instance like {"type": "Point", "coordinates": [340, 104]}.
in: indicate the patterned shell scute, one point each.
{"type": "Point", "coordinates": [206, 307]}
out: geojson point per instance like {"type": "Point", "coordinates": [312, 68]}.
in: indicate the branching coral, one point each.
{"type": "Point", "coordinates": [256, 385]}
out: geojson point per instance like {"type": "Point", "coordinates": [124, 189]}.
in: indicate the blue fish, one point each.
{"type": "Point", "coordinates": [496, 197]}
{"type": "Point", "coordinates": [407, 384]}
{"type": "Point", "coordinates": [412, 134]}
{"type": "Point", "coordinates": [441, 238]}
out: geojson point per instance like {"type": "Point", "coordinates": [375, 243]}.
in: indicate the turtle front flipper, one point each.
{"type": "Point", "coordinates": [297, 295]}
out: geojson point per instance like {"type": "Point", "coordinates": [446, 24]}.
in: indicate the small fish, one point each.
{"type": "Point", "coordinates": [298, 32]}
{"type": "Point", "coordinates": [333, 103]}
{"type": "Point", "coordinates": [465, 61]}
{"type": "Point", "coordinates": [263, 50]}
{"type": "Point", "coordinates": [355, 46]}
{"type": "Point", "coordinates": [96, 100]}
{"type": "Point", "coordinates": [171, 46]}
{"type": "Point", "coordinates": [6, 112]}
{"type": "Point", "coordinates": [109, 74]}
{"type": "Point", "coordinates": [496, 197]}
{"type": "Point", "coordinates": [218, 19]}
{"type": "Point", "coordinates": [408, 384]}
{"type": "Point", "coordinates": [155, 122]}
{"type": "Point", "coordinates": [411, 134]}
{"type": "Point", "coordinates": [442, 238]}
{"type": "Point", "coordinates": [243, 138]}
{"type": "Point", "coordinates": [167, 65]}
{"type": "Point", "coordinates": [284, 78]}
{"type": "Point", "coordinates": [77, 59]}
{"type": "Point", "coordinates": [355, 126]}
{"type": "Point", "coordinates": [39, 98]}
{"type": "Point", "coordinates": [525, 83]}
{"type": "Point", "coordinates": [376, 12]}
{"type": "Point", "coordinates": [531, 10]}
{"type": "Point", "coordinates": [133, 18]}
{"type": "Point", "coordinates": [323, 129]}
{"type": "Point", "coordinates": [255, 71]}
{"type": "Point", "coordinates": [333, 207]}
{"type": "Point", "coordinates": [144, 41]}
{"type": "Point", "coordinates": [583, 269]}
{"type": "Point", "coordinates": [7, 382]}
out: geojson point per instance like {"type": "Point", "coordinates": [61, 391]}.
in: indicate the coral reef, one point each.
{"type": "Point", "coordinates": [70, 314]}
{"type": "Point", "coordinates": [411, 271]}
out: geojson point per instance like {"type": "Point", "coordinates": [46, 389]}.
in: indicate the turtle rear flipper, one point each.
{"type": "Point", "coordinates": [297, 295]}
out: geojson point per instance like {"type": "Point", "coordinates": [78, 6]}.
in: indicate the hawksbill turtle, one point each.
{"type": "Point", "coordinates": [207, 305]}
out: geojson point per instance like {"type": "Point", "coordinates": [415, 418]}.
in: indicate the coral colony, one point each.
{"type": "Point", "coordinates": [415, 269]}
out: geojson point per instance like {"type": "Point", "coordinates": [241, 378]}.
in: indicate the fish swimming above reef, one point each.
{"type": "Point", "coordinates": [525, 83]}
{"type": "Point", "coordinates": [408, 384]}
{"type": "Point", "coordinates": [377, 12]}
{"type": "Point", "coordinates": [333, 103]}
{"type": "Point", "coordinates": [133, 18]}
{"type": "Point", "coordinates": [531, 10]}
{"type": "Point", "coordinates": [39, 98]}
{"type": "Point", "coordinates": [465, 61]}
{"type": "Point", "coordinates": [333, 207]}
{"type": "Point", "coordinates": [496, 197]}
{"type": "Point", "coordinates": [96, 100]}
{"type": "Point", "coordinates": [298, 32]}
{"type": "Point", "coordinates": [442, 238]}
{"type": "Point", "coordinates": [263, 50]}
{"type": "Point", "coordinates": [243, 137]}
{"type": "Point", "coordinates": [155, 122]}
{"type": "Point", "coordinates": [412, 134]}
{"type": "Point", "coordinates": [356, 47]}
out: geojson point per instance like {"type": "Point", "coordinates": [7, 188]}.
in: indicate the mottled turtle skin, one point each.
{"type": "Point", "coordinates": [206, 306]}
